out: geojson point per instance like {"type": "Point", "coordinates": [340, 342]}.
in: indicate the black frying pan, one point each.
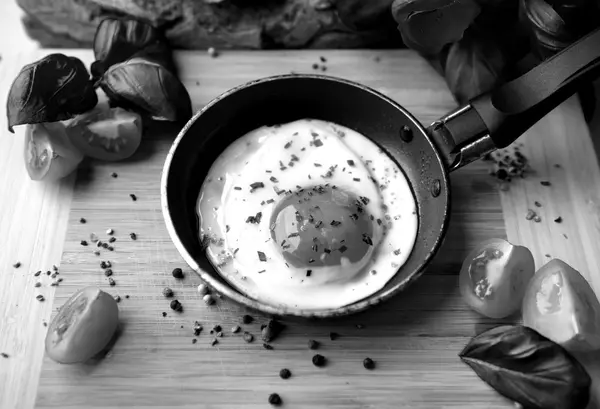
{"type": "Point", "coordinates": [427, 155]}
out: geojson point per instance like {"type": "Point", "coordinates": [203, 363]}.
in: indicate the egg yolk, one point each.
{"type": "Point", "coordinates": [323, 226]}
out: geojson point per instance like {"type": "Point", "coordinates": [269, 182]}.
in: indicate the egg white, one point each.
{"type": "Point", "coordinates": [239, 185]}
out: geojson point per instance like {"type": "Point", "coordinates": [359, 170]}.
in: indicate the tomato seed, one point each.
{"type": "Point", "coordinates": [110, 231]}
{"type": "Point", "coordinates": [236, 329]}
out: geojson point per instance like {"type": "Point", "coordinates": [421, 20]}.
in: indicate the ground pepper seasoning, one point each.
{"type": "Point", "coordinates": [274, 399]}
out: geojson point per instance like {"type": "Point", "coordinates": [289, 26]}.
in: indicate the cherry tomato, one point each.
{"type": "Point", "coordinates": [48, 153]}
{"type": "Point", "coordinates": [494, 277]}
{"type": "Point", "coordinates": [560, 304]}
{"type": "Point", "coordinates": [83, 326]}
{"type": "Point", "coordinates": [109, 134]}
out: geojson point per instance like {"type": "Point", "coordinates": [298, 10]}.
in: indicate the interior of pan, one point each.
{"type": "Point", "coordinates": [283, 99]}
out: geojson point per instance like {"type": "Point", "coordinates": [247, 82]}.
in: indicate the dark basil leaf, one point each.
{"type": "Point", "coordinates": [145, 86]}
{"type": "Point", "coordinates": [474, 65]}
{"type": "Point", "coordinates": [528, 368]}
{"type": "Point", "coordinates": [52, 89]}
{"type": "Point", "coordinates": [117, 40]}
{"type": "Point", "coordinates": [428, 25]}
{"type": "Point", "coordinates": [553, 25]}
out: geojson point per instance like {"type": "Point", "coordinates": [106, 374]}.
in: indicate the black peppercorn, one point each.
{"type": "Point", "coordinates": [274, 399]}
{"type": "Point", "coordinates": [247, 319]}
{"type": "Point", "coordinates": [177, 273]}
{"type": "Point", "coordinates": [271, 330]}
{"type": "Point", "coordinates": [312, 344]}
{"type": "Point", "coordinates": [318, 360]}
{"type": "Point", "coordinates": [108, 272]}
{"type": "Point", "coordinates": [333, 336]}
{"type": "Point", "coordinates": [176, 306]}
{"type": "Point", "coordinates": [167, 292]}
{"type": "Point", "coordinates": [501, 174]}
{"type": "Point", "coordinates": [285, 373]}
{"type": "Point", "coordinates": [368, 363]}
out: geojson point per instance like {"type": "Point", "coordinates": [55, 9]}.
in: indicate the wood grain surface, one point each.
{"type": "Point", "coordinates": [414, 338]}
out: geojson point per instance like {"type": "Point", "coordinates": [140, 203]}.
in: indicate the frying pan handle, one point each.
{"type": "Point", "coordinates": [497, 118]}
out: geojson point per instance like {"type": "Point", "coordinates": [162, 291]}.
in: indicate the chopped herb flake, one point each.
{"type": "Point", "coordinates": [308, 273]}
{"type": "Point", "coordinates": [237, 188]}
{"type": "Point", "coordinates": [356, 179]}
{"type": "Point", "coordinates": [335, 223]}
{"type": "Point", "coordinates": [257, 185]}
{"type": "Point", "coordinates": [261, 256]}
{"type": "Point", "coordinates": [350, 162]}
{"type": "Point", "coordinates": [365, 200]}
{"type": "Point", "coordinates": [545, 183]}
{"type": "Point", "coordinates": [270, 201]}
{"type": "Point", "coordinates": [367, 239]}
{"type": "Point", "coordinates": [261, 271]}
{"type": "Point", "coordinates": [287, 145]}
{"type": "Point", "coordinates": [343, 249]}
{"type": "Point", "coordinates": [273, 179]}
{"type": "Point", "coordinates": [318, 143]}
{"type": "Point", "coordinates": [318, 165]}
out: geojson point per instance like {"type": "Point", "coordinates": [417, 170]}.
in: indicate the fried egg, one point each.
{"type": "Point", "coordinates": [308, 214]}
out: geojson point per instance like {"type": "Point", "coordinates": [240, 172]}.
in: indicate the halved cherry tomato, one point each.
{"type": "Point", "coordinates": [494, 277]}
{"type": "Point", "coordinates": [560, 304]}
{"type": "Point", "coordinates": [109, 134]}
{"type": "Point", "coordinates": [83, 326]}
{"type": "Point", "coordinates": [48, 153]}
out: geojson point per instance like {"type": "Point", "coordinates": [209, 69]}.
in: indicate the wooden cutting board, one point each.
{"type": "Point", "coordinates": [414, 339]}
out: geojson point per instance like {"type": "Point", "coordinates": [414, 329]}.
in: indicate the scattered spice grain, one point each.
{"type": "Point", "coordinates": [285, 373]}
{"type": "Point", "coordinates": [177, 273]}
{"type": "Point", "coordinates": [318, 360]}
{"type": "Point", "coordinates": [176, 306]}
{"type": "Point", "coordinates": [167, 292]}
{"type": "Point", "coordinates": [368, 363]}
{"type": "Point", "coordinates": [274, 399]}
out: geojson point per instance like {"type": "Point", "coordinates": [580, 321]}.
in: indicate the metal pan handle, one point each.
{"type": "Point", "coordinates": [497, 118]}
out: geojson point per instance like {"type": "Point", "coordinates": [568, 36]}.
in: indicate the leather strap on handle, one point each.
{"type": "Point", "coordinates": [511, 109]}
